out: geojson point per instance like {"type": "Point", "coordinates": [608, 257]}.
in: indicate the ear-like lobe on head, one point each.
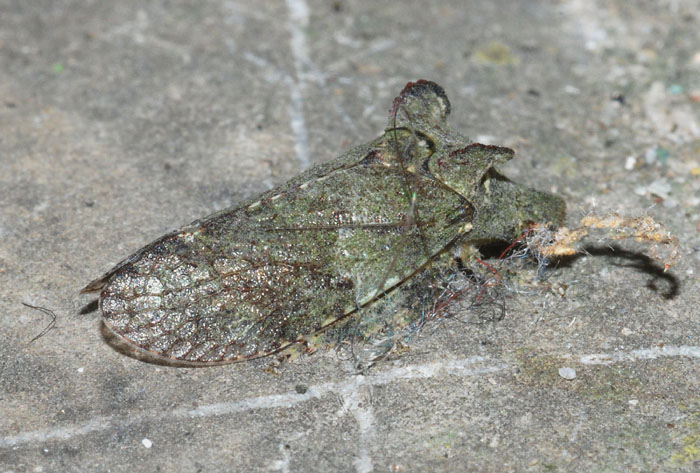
{"type": "Point", "coordinates": [421, 104]}
{"type": "Point", "coordinates": [463, 169]}
{"type": "Point", "coordinates": [485, 155]}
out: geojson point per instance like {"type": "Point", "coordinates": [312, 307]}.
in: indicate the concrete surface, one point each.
{"type": "Point", "coordinates": [122, 120]}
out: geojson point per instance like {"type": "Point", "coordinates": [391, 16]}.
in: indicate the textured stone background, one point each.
{"type": "Point", "coordinates": [120, 121]}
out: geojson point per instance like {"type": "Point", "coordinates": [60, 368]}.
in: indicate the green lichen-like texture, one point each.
{"type": "Point", "coordinates": [312, 255]}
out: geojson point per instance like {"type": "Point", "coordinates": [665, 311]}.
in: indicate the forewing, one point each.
{"type": "Point", "coordinates": [250, 281]}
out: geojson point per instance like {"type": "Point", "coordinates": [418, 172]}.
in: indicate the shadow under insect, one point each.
{"type": "Point", "coordinates": [662, 282]}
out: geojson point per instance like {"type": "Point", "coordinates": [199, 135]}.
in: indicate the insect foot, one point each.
{"type": "Point", "coordinates": [316, 253]}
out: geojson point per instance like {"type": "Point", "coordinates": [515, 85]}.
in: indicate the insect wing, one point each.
{"type": "Point", "coordinates": [251, 281]}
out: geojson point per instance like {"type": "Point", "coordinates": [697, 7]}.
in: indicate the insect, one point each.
{"type": "Point", "coordinates": [314, 253]}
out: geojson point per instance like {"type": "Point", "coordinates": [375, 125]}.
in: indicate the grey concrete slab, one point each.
{"type": "Point", "coordinates": [120, 121]}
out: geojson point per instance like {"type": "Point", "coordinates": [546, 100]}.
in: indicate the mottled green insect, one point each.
{"type": "Point", "coordinates": [314, 254]}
